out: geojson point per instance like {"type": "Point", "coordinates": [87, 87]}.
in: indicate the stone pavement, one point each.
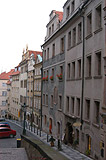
{"type": "Point", "coordinates": [13, 154]}
{"type": "Point", "coordinates": [66, 150]}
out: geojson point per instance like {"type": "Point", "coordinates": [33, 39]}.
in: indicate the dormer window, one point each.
{"type": "Point", "coordinates": [68, 11]}
{"type": "Point", "coordinates": [72, 6]}
{"type": "Point", "coordinates": [49, 31]}
{"type": "Point", "coordinates": [52, 28]}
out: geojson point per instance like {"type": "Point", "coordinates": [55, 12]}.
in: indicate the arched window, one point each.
{"type": "Point", "coordinates": [55, 95]}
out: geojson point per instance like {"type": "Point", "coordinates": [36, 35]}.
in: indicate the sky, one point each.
{"type": "Point", "coordinates": [23, 22]}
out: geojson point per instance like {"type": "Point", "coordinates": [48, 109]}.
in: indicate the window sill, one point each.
{"type": "Point", "coordinates": [98, 77]}
{"type": "Point", "coordinates": [87, 121]}
{"type": "Point", "coordinates": [73, 46]}
{"type": "Point", "coordinates": [79, 42]}
{"type": "Point", "coordinates": [98, 30]}
{"type": "Point", "coordinates": [60, 80]}
{"type": "Point", "coordinates": [89, 36]}
{"type": "Point", "coordinates": [78, 78]}
{"type": "Point", "coordinates": [90, 77]}
{"type": "Point", "coordinates": [72, 79]}
{"type": "Point", "coordinates": [60, 110]}
{"type": "Point", "coordinates": [96, 125]}
{"type": "Point", "coordinates": [62, 52]}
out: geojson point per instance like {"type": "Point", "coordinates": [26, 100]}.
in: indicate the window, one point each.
{"type": "Point", "coordinates": [89, 24]}
{"type": "Point", "coordinates": [61, 69]}
{"type": "Point", "coordinates": [68, 71]}
{"type": "Point", "coordinates": [88, 66]}
{"type": "Point", "coordinates": [98, 17]}
{"type": "Point", "coordinates": [79, 32]}
{"type": "Point", "coordinates": [21, 84]}
{"type": "Point", "coordinates": [69, 40]}
{"type": "Point", "coordinates": [55, 95]}
{"type": "Point", "coordinates": [62, 45]}
{"type": "Point", "coordinates": [87, 114]}
{"type": "Point", "coordinates": [49, 31]}
{"type": "Point", "coordinates": [47, 100]}
{"type": "Point", "coordinates": [48, 53]}
{"type": "Point", "coordinates": [98, 63]}
{"type": "Point", "coordinates": [53, 50]}
{"type": "Point", "coordinates": [78, 106]}
{"type": "Point", "coordinates": [79, 68]}
{"type": "Point", "coordinates": [45, 119]}
{"type": "Point", "coordinates": [51, 100]}
{"type": "Point", "coordinates": [44, 73]}
{"type": "Point", "coordinates": [74, 36]}
{"type": "Point", "coordinates": [88, 142]}
{"type": "Point", "coordinates": [73, 69]}
{"type": "Point", "coordinates": [60, 102]}
{"type": "Point", "coordinates": [72, 104]}
{"type": "Point", "coordinates": [47, 73]}
{"type": "Point", "coordinates": [4, 84]}
{"type": "Point", "coordinates": [43, 98]}
{"type": "Point", "coordinates": [22, 70]}
{"type": "Point", "coordinates": [53, 72]}
{"type": "Point", "coordinates": [4, 93]}
{"type": "Point", "coordinates": [44, 55]}
{"type": "Point", "coordinates": [67, 103]}
{"type": "Point", "coordinates": [25, 83]}
{"type": "Point", "coordinates": [97, 108]}
{"type": "Point", "coordinates": [72, 6]}
{"type": "Point", "coordinates": [3, 103]}
{"type": "Point", "coordinates": [68, 11]}
{"type": "Point", "coordinates": [52, 28]}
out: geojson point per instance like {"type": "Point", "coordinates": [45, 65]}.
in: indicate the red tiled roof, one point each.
{"type": "Point", "coordinates": [5, 76]}
{"type": "Point", "coordinates": [35, 53]}
{"type": "Point", "coordinates": [15, 73]}
{"type": "Point", "coordinates": [60, 15]}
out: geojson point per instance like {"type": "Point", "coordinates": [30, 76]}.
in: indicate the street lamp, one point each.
{"type": "Point", "coordinates": [24, 110]}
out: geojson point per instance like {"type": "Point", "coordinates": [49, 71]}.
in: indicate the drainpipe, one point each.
{"type": "Point", "coordinates": [41, 88]}
{"type": "Point", "coordinates": [83, 64]}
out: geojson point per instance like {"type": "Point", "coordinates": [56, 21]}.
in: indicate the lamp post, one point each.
{"type": "Point", "coordinates": [24, 110]}
{"type": "Point", "coordinates": [31, 118]}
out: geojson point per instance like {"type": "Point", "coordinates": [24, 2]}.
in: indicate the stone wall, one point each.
{"type": "Point", "coordinates": [37, 150]}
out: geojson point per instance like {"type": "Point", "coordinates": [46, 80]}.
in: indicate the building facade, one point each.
{"type": "Point", "coordinates": [13, 88]}
{"type": "Point", "coordinates": [53, 77]}
{"type": "Point", "coordinates": [4, 77]}
{"type": "Point", "coordinates": [76, 48]}
{"type": "Point", "coordinates": [31, 116]}
{"type": "Point", "coordinates": [37, 91]}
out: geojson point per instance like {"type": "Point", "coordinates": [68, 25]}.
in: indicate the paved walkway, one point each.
{"type": "Point", "coordinates": [13, 154]}
{"type": "Point", "coordinates": [66, 150]}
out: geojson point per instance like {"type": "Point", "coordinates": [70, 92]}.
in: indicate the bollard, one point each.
{"type": "Point", "coordinates": [18, 143]}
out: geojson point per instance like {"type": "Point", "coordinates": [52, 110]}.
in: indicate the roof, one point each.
{"type": "Point", "coordinates": [35, 53]}
{"type": "Point", "coordinates": [15, 73]}
{"type": "Point", "coordinates": [60, 15]}
{"type": "Point", "coordinates": [6, 76]}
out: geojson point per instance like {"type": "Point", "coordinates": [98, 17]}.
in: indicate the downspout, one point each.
{"type": "Point", "coordinates": [41, 88]}
{"type": "Point", "coordinates": [83, 64]}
